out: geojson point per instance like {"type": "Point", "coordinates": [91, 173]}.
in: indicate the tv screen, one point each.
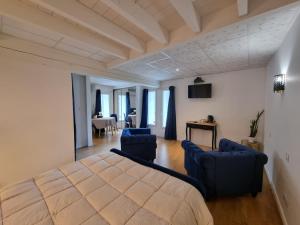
{"type": "Point", "coordinates": [200, 91]}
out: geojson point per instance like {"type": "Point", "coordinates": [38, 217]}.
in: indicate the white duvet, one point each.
{"type": "Point", "coordinates": [100, 190]}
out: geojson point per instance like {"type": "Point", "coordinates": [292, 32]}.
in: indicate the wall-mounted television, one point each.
{"type": "Point", "coordinates": [200, 91]}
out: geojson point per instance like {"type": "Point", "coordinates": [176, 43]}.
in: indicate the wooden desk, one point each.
{"type": "Point", "coordinates": [203, 126]}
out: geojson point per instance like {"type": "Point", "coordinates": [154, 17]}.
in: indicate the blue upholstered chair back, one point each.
{"type": "Point", "coordinates": [139, 142]}
{"type": "Point", "coordinates": [115, 116]}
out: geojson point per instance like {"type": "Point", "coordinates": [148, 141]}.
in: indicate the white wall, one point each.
{"type": "Point", "coordinates": [236, 98]}
{"type": "Point", "coordinates": [36, 119]}
{"type": "Point", "coordinates": [282, 127]}
{"type": "Point", "coordinates": [80, 110]}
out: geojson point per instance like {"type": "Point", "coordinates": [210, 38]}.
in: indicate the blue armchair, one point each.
{"type": "Point", "coordinates": [232, 171]}
{"type": "Point", "coordinates": [139, 143]}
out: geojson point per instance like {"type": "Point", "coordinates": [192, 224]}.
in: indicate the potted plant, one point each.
{"type": "Point", "coordinates": [254, 127]}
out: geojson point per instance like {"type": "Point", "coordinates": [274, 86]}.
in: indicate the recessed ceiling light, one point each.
{"type": "Point", "coordinates": [177, 69]}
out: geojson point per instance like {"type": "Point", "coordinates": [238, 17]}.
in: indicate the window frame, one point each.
{"type": "Point", "coordinates": [102, 103]}
{"type": "Point", "coordinates": [120, 109]}
{"type": "Point", "coordinates": [155, 100]}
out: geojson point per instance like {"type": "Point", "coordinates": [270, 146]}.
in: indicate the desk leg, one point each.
{"type": "Point", "coordinates": [186, 132]}
{"type": "Point", "coordinates": [190, 136]}
{"type": "Point", "coordinates": [215, 141]}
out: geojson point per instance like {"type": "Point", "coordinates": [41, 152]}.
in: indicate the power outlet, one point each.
{"type": "Point", "coordinates": [287, 157]}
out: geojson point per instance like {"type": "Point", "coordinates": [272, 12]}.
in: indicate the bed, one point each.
{"type": "Point", "coordinates": [103, 189]}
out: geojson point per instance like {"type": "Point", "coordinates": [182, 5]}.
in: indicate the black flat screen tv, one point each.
{"type": "Point", "coordinates": [200, 91]}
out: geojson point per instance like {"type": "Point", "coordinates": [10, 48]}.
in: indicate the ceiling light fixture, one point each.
{"type": "Point", "coordinates": [177, 69]}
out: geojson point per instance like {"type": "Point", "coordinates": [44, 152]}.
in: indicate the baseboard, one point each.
{"type": "Point", "coordinates": [279, 206]}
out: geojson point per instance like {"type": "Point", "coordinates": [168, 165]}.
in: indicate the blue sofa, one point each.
{"type": "Point", "coordinates": [232, 171]}
{"type": "Point", "coordinates": [139, 143]}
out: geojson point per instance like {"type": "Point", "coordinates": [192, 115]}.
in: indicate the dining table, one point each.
{"type": "Point", "coordinates": [107, 123]}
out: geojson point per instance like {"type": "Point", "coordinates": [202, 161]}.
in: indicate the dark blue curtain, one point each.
{"type": "Point", "coordinates": [144, 118]}
{"type": "Point", "coordinates": [98, 102]}
{"type": "Point", "coordinates": [170, 132]}
{"type": "Point", "coordinates": [128, 109]}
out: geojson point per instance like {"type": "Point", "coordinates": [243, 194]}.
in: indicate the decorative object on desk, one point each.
{"type": "Point", "coordinates": [279, 83]}
{"type": "Point", "coordinates": [210, 119]}
{"type": "Point", "coordinates": [198, 80]}
{"type": "Point", "coordinates": [254, 127]}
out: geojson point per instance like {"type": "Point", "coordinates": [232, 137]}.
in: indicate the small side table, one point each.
{"type": "Point", "coordinates": [255, 145]}
{"type": "Point", "coordinates": [204, 126]}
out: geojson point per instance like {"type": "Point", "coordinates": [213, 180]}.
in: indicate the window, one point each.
{"type": "Point", "coordinates": [105, 105]}
{"type": "Point", "coordinates": [122, 107]}
{"type": "Point", "coordinates": [151, 107]}
{"type": "Point", "coordinates": [165, 102]}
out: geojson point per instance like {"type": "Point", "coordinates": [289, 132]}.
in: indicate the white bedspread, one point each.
{"type": "Point", "coordinates": [100, 190]}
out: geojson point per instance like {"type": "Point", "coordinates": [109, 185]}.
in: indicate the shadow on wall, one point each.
{"type": "Point", "coordinates": [286, 190]}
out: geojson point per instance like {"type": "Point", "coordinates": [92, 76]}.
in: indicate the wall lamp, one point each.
{"type": "Point", "coordinates": [279, 83]}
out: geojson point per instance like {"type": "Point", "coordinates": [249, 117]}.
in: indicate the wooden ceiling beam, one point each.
{"type": "Point", "coordinates": [80, 14]}
{"type": "Point", "coordinates": [22, 12]}
{"type": "Point", "coordinates": [37, 53]}
{"type": "Point", "coordinates": [187, 11]}
{"type": "Point", "coordinates": [139, 17]}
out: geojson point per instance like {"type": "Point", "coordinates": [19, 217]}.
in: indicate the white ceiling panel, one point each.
{"type": "Point", "coordinates": [234, 51]}
{"type": "Point", "coordinates": [276, 22]}
{"type": "Point", "coordinates": [187, 53]}
{"type": "Point", "coordinates": [262, 47]}
{"type": "Point", "coordinates": [234, 31]}
{"type": "Point", "coordinates": [247, 44]}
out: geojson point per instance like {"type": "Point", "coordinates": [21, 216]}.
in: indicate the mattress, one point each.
{"type": "Point", "coordinates": [100, 190]}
